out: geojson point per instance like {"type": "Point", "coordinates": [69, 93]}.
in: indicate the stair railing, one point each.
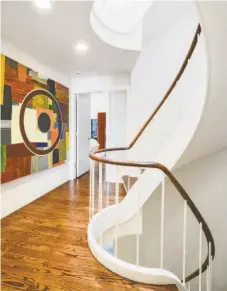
{"type": "Point", "coordinates": [188, 203]}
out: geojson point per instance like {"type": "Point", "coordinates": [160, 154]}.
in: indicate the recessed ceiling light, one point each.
{"type": "Point", "coordinates": [81, 47]}
{"type": "Point", "coordinates": [43, 4]}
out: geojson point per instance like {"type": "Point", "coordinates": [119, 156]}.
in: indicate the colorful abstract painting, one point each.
{"type": "Point", "coordinates": [34, 121]}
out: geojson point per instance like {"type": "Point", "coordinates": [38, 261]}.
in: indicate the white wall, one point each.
{"type": "Point", "coordinates": [99, 103]}
{"type": "Point", "coordinates": [118, 118]}
{"type": "Point", "coordinates": [96, 83]}
{"type": "Point", "coordinates": [17, 193]}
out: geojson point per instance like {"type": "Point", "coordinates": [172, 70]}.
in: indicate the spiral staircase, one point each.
{"type": "Point", "coordinates": [109, 222]}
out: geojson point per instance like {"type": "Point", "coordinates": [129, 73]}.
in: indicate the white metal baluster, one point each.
{"type": "Point", "coordinates": [116, 216]}
{"type": "Point", "coordinates": [100, 187]}
{"type": "Point", "coordinates": [90, 191]}
{"type": "Point", "coordinates": [100, 194]}
{"type": "Point", "coordinates": [162, 220]}
{"type": "Point", "coordinates": [128, 183]}
{"type": "Point", "coordinates": [189, 286]}
{"type": "Point", "coordinates": [184, 240]}
{"type": "Point", "coordinates": [207, 278]}
{"type": "Point", "coordinates": [107, 194]}
{"type": "Point", "coordinates": [107, 184]}
{"type": "Point", "coordinates": [200, 256]}
{"type": "Point", "coordinates": [208, 268]}
{"type": "Point", "coordinates": [138, 221]}
{"type": "Point", "coordinates": [211, 266]}
{"type": "Point", "coordinates": [92, 188]}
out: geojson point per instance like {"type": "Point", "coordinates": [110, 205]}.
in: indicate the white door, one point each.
{"type": "Point", "coordinates": [83, 133]}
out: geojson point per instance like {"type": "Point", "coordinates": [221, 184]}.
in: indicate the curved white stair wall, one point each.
{"type": "Point", "coordinates": [212, 130]}
{"type": "Point", "coordinates": [156, 276]}
{"type": "Point", "coordinates": [124, 31]}
{"type": "Point", "coordinates": [129, 14]}
{"type": "Point", "coordinates": [158, 64]}
{"type": "Point", "coordinates": [132, 226]}
{"type": "Point", "coordinates": [130, 41]}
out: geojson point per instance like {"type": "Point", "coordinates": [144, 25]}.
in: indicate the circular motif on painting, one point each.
{"type": "Point", "coordinates": [47, 125]}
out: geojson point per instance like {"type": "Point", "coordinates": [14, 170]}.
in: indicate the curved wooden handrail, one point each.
{"type": "Point", "coordinates": [161, 167]}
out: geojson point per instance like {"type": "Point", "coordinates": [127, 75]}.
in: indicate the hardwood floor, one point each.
{"type": "Point", "coordinates": [44, 246]}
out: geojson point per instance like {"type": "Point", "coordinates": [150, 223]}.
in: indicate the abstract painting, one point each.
{"type": "Point", "coordinates": [34, 121]}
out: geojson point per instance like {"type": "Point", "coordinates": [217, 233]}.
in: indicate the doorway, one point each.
{"type": "Point", "coordinates": [83, 133]}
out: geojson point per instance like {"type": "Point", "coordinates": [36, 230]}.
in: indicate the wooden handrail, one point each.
{"type": "Point", "coordinates": [161, 167]}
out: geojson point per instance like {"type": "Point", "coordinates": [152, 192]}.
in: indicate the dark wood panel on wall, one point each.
{"type": "Point", "coordinates": [102, 130]}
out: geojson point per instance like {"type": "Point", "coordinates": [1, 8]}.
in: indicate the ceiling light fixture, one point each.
{"type": "Point", "coordinates": [81, 47]}
{"type": "Point", "coordinates": [43, 4]}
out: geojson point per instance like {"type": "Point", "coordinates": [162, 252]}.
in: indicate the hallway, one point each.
{"type": "Point", "coordinates": [44, 246]}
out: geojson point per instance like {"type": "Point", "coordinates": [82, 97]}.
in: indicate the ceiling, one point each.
{"type": "Point", "coordinates": [50, 36]}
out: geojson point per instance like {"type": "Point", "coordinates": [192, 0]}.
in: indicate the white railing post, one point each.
{"type": "Point", "coordinates": [138, 222]}
{"type": "Point", "coordinates": [162, 221]}
{"type": "Point", "coordinates": [107, 183]}
{"type": "Point", "coordinates": [100, 187]}
{"type": "Point", "coordinates": [100, 194]}
{"type": "Point", "coordinates": [90, 191]}
{"type": "Point", "coordinates": [107, 194]}
{"type": "Point", "coordinates": [184, 240]}
{"type": "Point", "coordinates": [207, 278]}
{"type": "Point", "coordinates": [116, 216]}
{"type": "Point", "coordinates": [92, 188]}
{"type": "Point", "coordinates": [208, 268]}
{"type": "Point", "coordinates": [189, 286]}
{"type": "Point", "coordinates": [200, 256]}
{"type": "Point", "coordinates": [128, 186]}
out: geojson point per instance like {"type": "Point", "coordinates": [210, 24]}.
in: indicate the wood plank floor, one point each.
{"type": "Point", "coordinates": [44, 246]}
